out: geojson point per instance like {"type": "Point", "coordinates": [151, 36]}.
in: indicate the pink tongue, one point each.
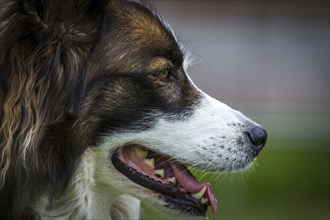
{"type": "Point", "coordinates": [192, 185]}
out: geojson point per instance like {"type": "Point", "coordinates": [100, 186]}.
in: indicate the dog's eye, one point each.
{"type": "Point", "coordinates": [165, 74]}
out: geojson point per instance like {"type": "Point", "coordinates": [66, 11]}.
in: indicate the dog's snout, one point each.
{"type": "Point", "coordinates": [258, 137]}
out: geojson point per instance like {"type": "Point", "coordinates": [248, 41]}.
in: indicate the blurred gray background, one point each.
{"type": "Point", "coordinates": [270, 60]}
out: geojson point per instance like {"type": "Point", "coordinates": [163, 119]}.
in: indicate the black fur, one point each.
{"type": "Point", "coordinates": [70, 50]}
{"type": "Point", "coordinates": [34, 37]}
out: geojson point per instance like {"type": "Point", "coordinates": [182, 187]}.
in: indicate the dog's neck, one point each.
{"type": "Point", "coordinates": [83, 200]}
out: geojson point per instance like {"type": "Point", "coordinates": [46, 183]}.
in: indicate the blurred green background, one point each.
{"type": "Point", "coordinates": [270, 60]}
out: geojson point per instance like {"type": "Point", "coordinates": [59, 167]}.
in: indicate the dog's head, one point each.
{"type": "Point", "coordinates": [154, 122]}
{"type": "Point", "coordinates": [111, 77]}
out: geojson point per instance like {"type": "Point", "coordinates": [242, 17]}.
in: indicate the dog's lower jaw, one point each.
{"type": "Point", "coordinates": [82, 199]}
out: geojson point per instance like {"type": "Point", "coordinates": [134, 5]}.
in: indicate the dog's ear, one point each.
{"type": "Point", "coordinates": [45, 49]}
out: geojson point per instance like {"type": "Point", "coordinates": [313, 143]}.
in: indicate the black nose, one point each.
{"type": "Point", "coordinates": [258, 137]}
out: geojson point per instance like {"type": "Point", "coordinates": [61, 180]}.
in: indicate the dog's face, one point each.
{"type": "Point", "coordinates": [150, 122]}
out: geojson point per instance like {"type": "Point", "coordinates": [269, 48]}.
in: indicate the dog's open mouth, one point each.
{"type": "Point", "coordinates": [178, 187]}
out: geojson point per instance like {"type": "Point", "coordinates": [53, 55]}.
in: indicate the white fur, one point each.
{"type": "Point", "coordinates": [77, 200]}
{"type": "Point", "coordinates": [87, 199]}
{"type": "Point", "coordinates": [207, 133]}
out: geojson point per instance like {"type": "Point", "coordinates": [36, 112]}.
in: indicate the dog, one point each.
{"type": "Point", "coordinates": [98, 114]}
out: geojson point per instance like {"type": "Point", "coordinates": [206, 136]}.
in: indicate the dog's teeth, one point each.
{"type": "Point", "coordinates": [141, 152]}
{"type": "Point", "coordinates": [150, 162]}
{"type": "Point", "coordinates": [199, 195]}
{"type": "Point", "coordinates": [172, 180]}
{"type": "Point", "coordinates": [204, 201]}
{"type": "Point", "coordinates": [160, 173]}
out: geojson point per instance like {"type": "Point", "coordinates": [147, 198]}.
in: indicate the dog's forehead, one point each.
{"type": "Point", "coordinates": [134, 35]}
{"type": "Point", "coordinates": [141, 23]}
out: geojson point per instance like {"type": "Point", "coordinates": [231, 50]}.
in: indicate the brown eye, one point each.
{"type": "Point", "coordinates": [164, 74]}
